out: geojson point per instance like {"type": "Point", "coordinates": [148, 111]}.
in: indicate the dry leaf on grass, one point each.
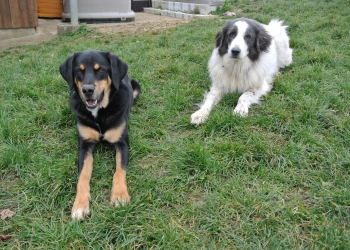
{"type": "Point", "coordinates": [6, 213]}
{"type": "Point", "coordinates": [5, 237]}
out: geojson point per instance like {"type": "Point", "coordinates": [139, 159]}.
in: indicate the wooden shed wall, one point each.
{"type": "Point", "coordinates": [18, 14]}
{"type": "Point", "coordinates": [49, 8]}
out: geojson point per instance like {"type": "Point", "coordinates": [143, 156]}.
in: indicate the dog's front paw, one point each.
{"type": "Point", "coordinates": [199, 116]}
{"type": "Point", "coordinates": [80, 208]}
{"type": "Point", "coordinates": [241, 111]}
{"type": "Point", "coordinates": [120, 197]}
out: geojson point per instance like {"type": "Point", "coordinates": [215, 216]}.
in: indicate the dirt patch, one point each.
{"type": "Point", "coordinates": [143, 23]}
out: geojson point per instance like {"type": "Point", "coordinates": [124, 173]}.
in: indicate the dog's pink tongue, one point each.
{"type": "Point", "coordinates": [91, 102]}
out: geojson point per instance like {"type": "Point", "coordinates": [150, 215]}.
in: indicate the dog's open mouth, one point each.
{"type": "Point", "coordinates": [93, 103]}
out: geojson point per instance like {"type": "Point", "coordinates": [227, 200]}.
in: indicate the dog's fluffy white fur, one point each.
{"type": "Point", "coordinates": [245, 59]}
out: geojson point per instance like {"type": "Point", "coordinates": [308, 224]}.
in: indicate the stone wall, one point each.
{"type": "Point", "coordinates": [188, 6]}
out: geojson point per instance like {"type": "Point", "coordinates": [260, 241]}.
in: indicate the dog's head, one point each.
{"type": "Point", "coordinates": [243, 37]}
{"type": "Point", "coordinates": [93, 74]}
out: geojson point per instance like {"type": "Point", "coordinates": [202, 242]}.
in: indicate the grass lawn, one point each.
{"type": "Point", "coordinates": [277, 179]}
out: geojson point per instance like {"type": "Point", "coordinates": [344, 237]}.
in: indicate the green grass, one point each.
{"type": "Point", "coordinates": [278, 179]}
{"type": "Point", "coordinates": [220, 10]}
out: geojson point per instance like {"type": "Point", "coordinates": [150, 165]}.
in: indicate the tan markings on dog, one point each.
{"type": "Point", "coordinates": [106, 87]}
{"type": "Point", "coordinates": [119, 194]}
{"type": "Point", "coordinates": [81, 67]}
{"type": "Point", "coordinates": [79, 85]}
{"type": "Point", "coordinates": [88, 134]}
{"type": "Point", "coordinates": [81, 203]}
{"type": "Point", "coordinates": [96, 66]}
{"type": "Point", "coordinates": [113, 135]}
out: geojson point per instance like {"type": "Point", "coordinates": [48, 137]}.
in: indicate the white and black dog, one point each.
{"type": "Point", "coordinates": [246, 57]}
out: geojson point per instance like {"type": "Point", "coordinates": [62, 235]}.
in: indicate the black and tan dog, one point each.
{"type": "Point", "coordinates": [101, 95]}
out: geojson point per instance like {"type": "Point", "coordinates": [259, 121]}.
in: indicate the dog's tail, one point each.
{"type": "Point", "coordinates": [279, 34]}
{"type": "Point", "coordinates": [136, 88]}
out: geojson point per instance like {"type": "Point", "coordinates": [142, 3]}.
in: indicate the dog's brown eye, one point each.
{"type": "Point", "coordinates": [247, 36]}
{"type": "Point", "coordinates": [98, 70]}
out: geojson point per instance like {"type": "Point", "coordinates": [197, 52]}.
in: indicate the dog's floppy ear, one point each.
{"type": "Point", "coordinates": [263, 41]}
{"type": "Point", "coordinates": [66, 70]}
{"type": "Point", "coordinates": [118, 69]}
{"type": "Point", "coordinates": [220, 42]}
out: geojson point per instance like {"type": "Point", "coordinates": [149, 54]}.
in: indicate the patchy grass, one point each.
{"type": "Point", "coordinates": [278, 179]}
{"type": "Point", "coordinates": [220, 10]}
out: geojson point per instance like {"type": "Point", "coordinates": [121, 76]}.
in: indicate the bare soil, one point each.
{"type": "Point", "coordinates": [143, 22]}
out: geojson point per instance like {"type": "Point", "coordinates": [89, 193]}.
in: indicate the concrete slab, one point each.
{"type": "Point", "coordinates": [64, 28]}
{"type": "Point", "coordinates": [6, 34]}
{"type": "Point", "coordinates": [46, 31]}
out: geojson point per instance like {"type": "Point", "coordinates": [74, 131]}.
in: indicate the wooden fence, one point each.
{"type": "Point", "coordinates": [18, 14]}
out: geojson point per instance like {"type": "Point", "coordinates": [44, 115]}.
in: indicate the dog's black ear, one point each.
{"type": "Point", "coordinates": [218, 39]}
{"type": "Point", "coordinates": [263, 41]}
{"type": "Point", "coordinates": [118, 70]}
{"type": "Point", "coordinates": [66, 70]}
{"type": "Point", "coordinates": [254, 50]}
{"type": "Point", "coordinates": [220, 42]}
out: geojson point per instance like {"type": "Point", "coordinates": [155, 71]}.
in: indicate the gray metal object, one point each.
{"type": "Point", "coordinates": [73, 12]}
{"type": "Point", "coordinates": [103, 10]}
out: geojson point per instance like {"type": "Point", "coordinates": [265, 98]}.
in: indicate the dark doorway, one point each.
{"type": "Point", "coordinates": [138, 5]}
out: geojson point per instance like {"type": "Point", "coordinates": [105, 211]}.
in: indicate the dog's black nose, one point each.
{"type": "Point", "coordinates": [88, 90]}
{"type": "Point", "coordinates": [235, 51]}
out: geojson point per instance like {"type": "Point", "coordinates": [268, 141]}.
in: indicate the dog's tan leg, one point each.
{"type": "Point", "coordinates": [119, 194]}
{"type": "Point", "coordinates": [81, 204]}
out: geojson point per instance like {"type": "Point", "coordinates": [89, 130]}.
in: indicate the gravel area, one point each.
{"type": "Point", "coordinates": [144, 22]}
